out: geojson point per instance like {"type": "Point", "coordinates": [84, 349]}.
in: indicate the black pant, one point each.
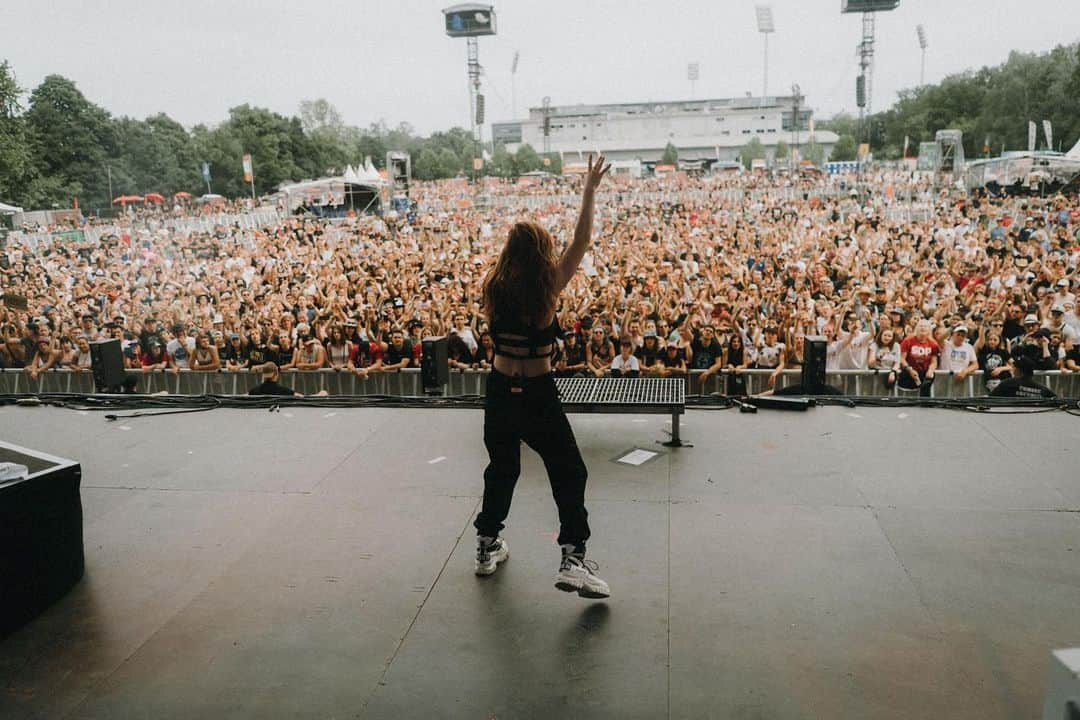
{"type": "Point", "coordinates": [529, 409]}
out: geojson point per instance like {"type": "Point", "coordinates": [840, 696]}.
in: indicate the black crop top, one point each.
{"type": "Point", "coordinates": [506, 333]}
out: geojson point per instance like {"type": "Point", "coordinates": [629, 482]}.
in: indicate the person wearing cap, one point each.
{"type": "Point", "coordinates": [1055, 323]}
{"type": "Point", "coordinates": [958, 356]}
{"type": "Point", "coordinates": [45, 355]}
{"type": "Point", "coordinates": [236, 354]}
{"type": "Point", "coordinates": [572, 360]}
{"type": "Point", "coordinates": [1022, 384]}
{"type": "Point", "coordinates": [1062, 294]}
{"type": "Point", "coordinates": [309, 353]}
{"type": "Point", "coordinates": [153, 357]}
{"type": "Point", "coordinates": [179, 349]}
{"type": "Point", "coordinates": [1031, 327]}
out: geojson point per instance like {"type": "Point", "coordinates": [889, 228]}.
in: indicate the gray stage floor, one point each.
{"type": "Point", "coordinates": [869, 563]}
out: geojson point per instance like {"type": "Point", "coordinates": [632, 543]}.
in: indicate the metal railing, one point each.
{"type": "Point", "coordinates": [474, 382]}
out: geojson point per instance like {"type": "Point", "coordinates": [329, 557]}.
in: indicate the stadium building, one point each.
{"type": "Point", "coordinates": [709, 130]}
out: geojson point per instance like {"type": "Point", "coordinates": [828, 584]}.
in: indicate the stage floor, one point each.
{"type": "Point", "coordinates": [317, 563]}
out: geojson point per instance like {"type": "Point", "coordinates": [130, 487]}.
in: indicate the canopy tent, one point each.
{"type": "Point", "coordinates": [9, 209]}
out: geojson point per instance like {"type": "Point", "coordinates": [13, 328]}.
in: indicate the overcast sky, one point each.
{"type": "Point", "coordinates": [390, 59]}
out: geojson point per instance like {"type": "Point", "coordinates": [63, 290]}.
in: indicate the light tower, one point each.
{"type": "Point", "coordinates": [865, 51]}
{"type": "Point", "coordinates": [513, 85]}
{"type": "Point", "coordinates": [921, 32]}
{"type": "Point", "coordinates": [765, 26]}
{"type": "Point", "coordinates": [470, 21]}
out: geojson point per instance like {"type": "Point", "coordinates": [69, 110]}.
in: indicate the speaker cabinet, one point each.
{"type": "Point", "coordinates": [434, 367]}
{"type": "Point", "coordinates": [107, 363]}
{"type": "Point", "coordinates": [815, 351]}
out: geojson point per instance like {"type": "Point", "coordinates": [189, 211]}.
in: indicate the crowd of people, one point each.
{"type": "Point", "coordinates": [696, 281]}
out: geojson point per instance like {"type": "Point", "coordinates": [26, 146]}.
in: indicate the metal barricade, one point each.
{"type": "Point", "coordinates": [407, 383]}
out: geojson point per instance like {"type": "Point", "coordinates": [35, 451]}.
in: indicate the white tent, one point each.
{"type": "Point", "coordinates": [1075, 152]}
{"type": "Point", "coordinates": [9, 209]}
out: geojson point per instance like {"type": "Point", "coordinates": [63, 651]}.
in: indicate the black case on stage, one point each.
{"type": "Point", "coordinates": [41, 538]}
{"type": "Point", "coordinates": [107, 363]}
{"type": "Point", "coordinates": [434, 370]}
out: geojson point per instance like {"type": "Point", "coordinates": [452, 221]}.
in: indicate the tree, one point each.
{"type": "Point", "coordinates": [553, 163]}
{"type": "Point", "coordinates": [501, 163]}
{"type": "Point", "coordinates": [782, 151]}
{"type": "Point", "coordinates": [814, 152]}
{"type": "Point", "coordinates": [449, 163]}
{"type": "Point", "coordinates": [844, 150]}
{"type": "Point", "coordinates": [670, 156]}
{"type": "Point", "coordinates": [526, 160]}
{"type": "Point", "coordinates": [70, 139]}
{"type": "Point", "coordinates": [751, 151]}
{"type": "Point", "coordinates": [426, 166]}
{"type": "Point", "coordinates": [15, 161]}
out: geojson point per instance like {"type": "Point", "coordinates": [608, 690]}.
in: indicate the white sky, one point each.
{"type": "Point", "coordinates": [390, 59]}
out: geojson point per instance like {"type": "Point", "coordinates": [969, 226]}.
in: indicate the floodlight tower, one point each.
{"type": "Point", "coordinates": [921, 32]}
{"type": "Point", "coordinates": [865, 50]}
{"type": "Point", "coordinates": [470, 21]}
{"type": "Point", "coordinates": [765, 26]}
{"type": "Point", "coordinates": [692, 74]}
{"type": "Point", "coordinates": [513, 85]}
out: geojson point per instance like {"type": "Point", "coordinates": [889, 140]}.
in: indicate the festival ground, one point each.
{"type": "Point", "coordinates": [317, 563]}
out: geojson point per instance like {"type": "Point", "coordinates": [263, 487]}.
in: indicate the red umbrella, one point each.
{"type": "Point", "coordinates": [154, 197]}
{"type": "Point", "coordinates": [125, 199]}
{"type": "Point", "coordinates": [182, 194]}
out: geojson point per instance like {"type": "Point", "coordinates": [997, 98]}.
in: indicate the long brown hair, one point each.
{"type": "Point", "coordinates": [522, 283]}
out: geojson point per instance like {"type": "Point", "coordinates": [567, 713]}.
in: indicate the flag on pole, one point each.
{"type": "Point", "coordinates": [247, 169]}
{"type": "Point", "coordinates": [1049, 132]}
{"type": "Point", "coordinates": [206, 171]}
{"type": "Point", "coordinates": [1031, 135]}
{"type": "Point", "coordinates": [907, 140]}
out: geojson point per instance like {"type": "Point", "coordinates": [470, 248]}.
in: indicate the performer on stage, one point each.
{"type": "Point", "coordinates": [521, 294]}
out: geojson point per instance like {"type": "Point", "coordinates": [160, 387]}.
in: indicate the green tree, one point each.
{"type": "Point", "coordinates": [782, 152]}
{"type": "Point", "coordinates": [751, 151]}
{"type": "Point", "coordinates": [501, 163]}
{"type": "Point", "coordinates": [670, 156]}
{"type": "Point", "coordinates": [16, 166]}
{"type": "Point", "coordinates": [449, 163]}
{"type": "Point", "coordinates": [844, 150]}
{"type": "Point", "coordinates": [554, 163]}
{"type": "Point", "coordinates": [70, 139]}
{"type": "Point", "coordinates": [426, 165]}
{"type": "Point", "coordinates": [814, 152]}
{"type": "Point", "coordinates": [526, 160]}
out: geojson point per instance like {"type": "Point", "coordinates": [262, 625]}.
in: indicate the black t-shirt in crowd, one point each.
{"type": "Point", "coordinates": [646, 357]}
{"type": "Point", "coordinates": [990, 360]}
{"type": "Point", "coordinates": [1022, 388]}
{"type": "Point", "coordinates": [705, 356]}
{"type": "Point", "coordinates": [257, 354]}
{"type": "Point", "coordinates": [393, 356]}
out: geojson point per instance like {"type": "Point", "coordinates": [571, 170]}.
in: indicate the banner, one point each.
{"type": "Point", "coordinates": [906, 141]}
{"type": "Point", "coordinates": [1048, 131]}
{"type": "Point", "coordinates": [206, 172]}
{"type": "Point", "coordinates": [247, 169]}
{"type": "Point", "coordinates": [1031, 136]}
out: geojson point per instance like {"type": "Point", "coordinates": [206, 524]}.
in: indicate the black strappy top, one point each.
{"type": "Point", "coordinates": [506, 333]}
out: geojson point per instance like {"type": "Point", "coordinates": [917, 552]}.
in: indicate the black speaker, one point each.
{"type": "Point", "coordinates": [107, 362]}
{"type": "Point", "coordinates": [815, 351]}
{"type": "Point", "coordinates": [434, 367]}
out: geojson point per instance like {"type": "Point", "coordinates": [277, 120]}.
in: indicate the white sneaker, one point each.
{"type": "Point", "coordinates": [576, 574]}
{"type": "Point", "coordinates": [489, 553]}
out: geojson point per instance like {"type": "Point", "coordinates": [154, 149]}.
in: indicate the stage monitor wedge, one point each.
{"type": "Point", "coordinates": [868, 6]}
{"type": "Point", "coordinates": [470, 20]}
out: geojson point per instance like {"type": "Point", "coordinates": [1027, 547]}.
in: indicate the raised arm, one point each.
{"type": "Point", "coordinates": [572, 256]}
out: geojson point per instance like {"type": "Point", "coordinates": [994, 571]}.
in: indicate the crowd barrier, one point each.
{"type": "Point", "coordinates": [250, 220]}
{"type": "Point", "coordinates": [474, 382]}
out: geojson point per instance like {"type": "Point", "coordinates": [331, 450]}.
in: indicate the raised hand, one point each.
{"type": "Point", "coordinates": [595, 173]}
